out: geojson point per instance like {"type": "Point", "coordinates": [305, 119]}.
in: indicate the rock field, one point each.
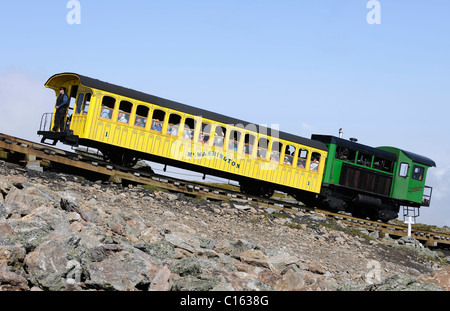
{"type": "Point", "coordinates": [59, 232]}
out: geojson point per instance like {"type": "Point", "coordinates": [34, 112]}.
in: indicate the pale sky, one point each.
{"type": "Point", "coordinates": [310, 67]}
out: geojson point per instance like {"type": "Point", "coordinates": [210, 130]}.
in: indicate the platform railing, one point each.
{"type": "Point", "coordinates": [46, 122]}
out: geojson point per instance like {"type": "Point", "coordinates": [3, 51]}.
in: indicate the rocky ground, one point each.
{"type": "Point", "coordinates": [59, 232]}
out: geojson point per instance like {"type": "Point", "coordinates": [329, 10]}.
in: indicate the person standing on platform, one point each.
{"type": "Point", "coordinates": [61, 106]}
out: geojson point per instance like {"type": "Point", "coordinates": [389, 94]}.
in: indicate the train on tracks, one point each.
{"type": "Point", "coordinates": [324, 171]}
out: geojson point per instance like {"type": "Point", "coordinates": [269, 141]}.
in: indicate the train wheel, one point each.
{"type": "Point", "coordinates": [120, 158]}
{"type": "Point", "coordinates": [267, 191]}
{"type": "Point", "coordinates": [257, 189]}
{"type": "Point", "coordinates": [128, 159]}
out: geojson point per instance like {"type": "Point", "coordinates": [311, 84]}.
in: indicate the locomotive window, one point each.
{"type": "Point", "coordinates": [219, 136]}
{"type": "Point", "coordinates": [315, 160]}
{"type": "Point", "coordinates": [205, 133]}
{"type": "Point", "coordinates": [249, 141]}
{"type": "Point", "coordinates": [174, 124]}
{"type": "Point", "coordinates": [403, 171]}
{"type": "Point", "coordinates": [364, 159]}
{"type": "Point", "coordinates": [233, 142]}
{"type": "Point", "coordinates": [141, 116]}
{"type": "Point", "coordinates": [87, 101]}
{"type": "Point", "coordinates": [345, 154]}
{"type": "Point", "coordinates": [382, 164]}
{"type": "Point", "coordinates": [302, 156]}
{"type": "Point", "coordinates": [276, 150]}
{"type": "Point", "coordinates": [289, 153]}
{"type": "Point", "coordinates": [418, 172]}
{"type": "Point", "coordinates": [158, 120]}
{"type": "Point", "coordinates": [263, 144]}
{"type": "Point", "coordinates": [108, 104]}
{"type": "Point", "coordinates": [189, 126]}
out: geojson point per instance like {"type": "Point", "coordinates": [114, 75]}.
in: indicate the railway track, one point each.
{"type": "Point", "coordinates": [36, 156]}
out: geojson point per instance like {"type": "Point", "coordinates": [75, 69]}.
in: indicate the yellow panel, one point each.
{"type": "Point", "coordinates": [146, 141]}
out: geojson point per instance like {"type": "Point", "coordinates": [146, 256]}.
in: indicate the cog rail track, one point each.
{"type": "Point", "coordinates": [33, 155]}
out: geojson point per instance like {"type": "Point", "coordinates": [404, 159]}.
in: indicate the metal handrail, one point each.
{"type": "Point", "coordinates": [46, 119]}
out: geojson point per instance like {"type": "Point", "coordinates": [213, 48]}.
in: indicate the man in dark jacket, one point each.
{"type": "Point", "coordinates": [61, 105]}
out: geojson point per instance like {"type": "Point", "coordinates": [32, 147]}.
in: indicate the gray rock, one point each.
{"type": "Point", "coordinates": [191, 283]}
{"type": "Point", "coordinates": [403, 282]}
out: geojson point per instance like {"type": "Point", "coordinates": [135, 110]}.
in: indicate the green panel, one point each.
{"type": "Point", "coordinates": [405, 187]}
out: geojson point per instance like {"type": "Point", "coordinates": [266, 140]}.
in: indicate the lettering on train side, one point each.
{"type": "Point", "coordinates": [213, 154]}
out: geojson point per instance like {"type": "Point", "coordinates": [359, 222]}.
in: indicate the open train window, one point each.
{"type": "Point", "coordinates": [289, 153]}
{"type": "Point", "coordinates": [174, 124]}
{"type": "Point", "coordinates": [158, 120]}
{"type": "Point", "coordinates": [87, 101]}
{"type": "Point", "coordinates": [302, 156]}
{"type": "Point", "coordinates": [364, 159]}
{"type": "Point", "coordinates": [219, 136]}
{"type": "Point", "coordinates": [315, 161]}
{"type": "Point", "coordinates": [249, 142]}
{"type": "Point", "coordinates": [108, 104]}
{"type": "Point", "coordinates": [124, 111]}
{"type": "Point", "coordinates": [382, 164]}
{"type": "Point", "coordinates": [276, 151]}
{"type": "Point", "coordinates": [141, 115]}
{"type": "Point", "coordinates": [263, 144]}
{"type": "Point", "coordinates": [233, 141]}
{"type": "Point", "coordinates": [189, 127]}
{"type": "Point", "coordinates": [418, 172]}
{"type": "Point", "coordinates": [345, 154]}
{"type": "Point", "coordinates": [205, 133]}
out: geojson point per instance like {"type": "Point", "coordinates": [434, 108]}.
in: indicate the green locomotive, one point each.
{"type": "Point", "coordinates": [371, 182]}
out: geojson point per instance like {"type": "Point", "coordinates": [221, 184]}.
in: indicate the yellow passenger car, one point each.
{"type": "Point", "coordinates": [127, 125]}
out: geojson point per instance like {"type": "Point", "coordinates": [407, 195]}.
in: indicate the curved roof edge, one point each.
{"type": "Point", "coordinates": [419, 158]}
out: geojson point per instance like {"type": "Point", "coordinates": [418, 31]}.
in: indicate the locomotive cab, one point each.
{"type": "Point", "coordinates": [410, 177]}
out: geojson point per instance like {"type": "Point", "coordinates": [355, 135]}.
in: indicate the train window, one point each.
{"type": "Point", "coordinates": [302, 156]}
{"type": "Point", "coordinates": [418, 172]}
{"type": "Point", "coordinates": [108, 104]}
{"type": "Point", "coordinates": [364, 159]}
{"type": "Point", "coordinates": [403, 171]}
{"type": "Point", "coordinates": [276, 151]}
{"type": "Point", "coordinates": [263, 144]}
{"type": "Point", "coordinates": [233, 142]}
{"type": "Point", "coordinates": [289, 153]}
{"type": "Point", "coordinates": [73, 94]}
{"type": "Point", "coordinates": [124, 111]}
{"type": "Point", "coordinates": [345, 154]}
{"type": "Point", "coordinates": [79, 103]}
{"type": "Point", "coordinates": [315, 160]}
{"type": "Point", "coordinates": [205, 133]}
{"type": "Point", "coordinates": [174, 124]}
{"type": "Point", "coordinates": [158, 120]}
{"type": "Point", "coordinates": [141, 116]}
{"type": "Point", "coordinates": [249, 141]}
{"type": "Point", "coordinates": [382, 164]}
{"type": "Point", "coordinates": [219, 136]}
{"type": "Point", "coordinates": [189, 126]}
{"type": "Point", "coordinates": [87, 101]}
